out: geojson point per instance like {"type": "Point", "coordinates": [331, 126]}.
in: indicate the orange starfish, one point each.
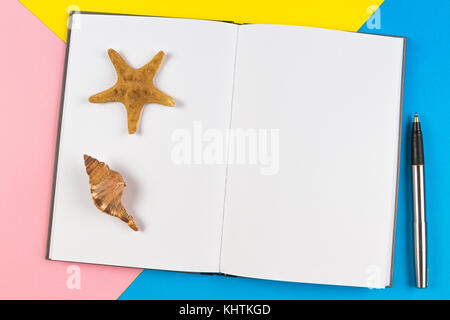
{"type": "Point", "coordinates": [134, 88]}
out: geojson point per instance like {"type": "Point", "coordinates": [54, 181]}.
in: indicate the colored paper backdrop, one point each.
{"type": "Point", "coordinates": [32, 61]}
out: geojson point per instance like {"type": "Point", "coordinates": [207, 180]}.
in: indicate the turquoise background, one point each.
{"type": "Point", "coordinates": [426, 24]}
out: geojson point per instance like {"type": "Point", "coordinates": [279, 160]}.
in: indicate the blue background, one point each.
{"type": "Point", "coordinates": [426, 24]}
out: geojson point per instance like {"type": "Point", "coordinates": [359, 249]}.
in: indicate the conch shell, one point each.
{"type": "Point", "coordinates": [106, 189]}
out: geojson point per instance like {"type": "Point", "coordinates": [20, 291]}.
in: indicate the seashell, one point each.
{"type": "Point", "coordinates": [106, 189]}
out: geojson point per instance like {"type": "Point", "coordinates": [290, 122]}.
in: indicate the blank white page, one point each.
{"type": "Point", "coordinates": [327, 216]}
{"type": "Point", "coordinates": [177, 207]}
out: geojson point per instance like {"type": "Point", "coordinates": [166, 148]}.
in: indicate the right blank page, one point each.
{"type": "Point", "coordinates": [325, 211]}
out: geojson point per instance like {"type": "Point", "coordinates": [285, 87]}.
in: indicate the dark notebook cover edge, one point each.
{"type": "Point", "coordinates": [58, 137]}
{"type": "Point", "coordinates": [391, 280]}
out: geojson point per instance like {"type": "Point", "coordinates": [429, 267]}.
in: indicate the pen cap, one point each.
{"type": "Point", "coordinates": [417, 145]}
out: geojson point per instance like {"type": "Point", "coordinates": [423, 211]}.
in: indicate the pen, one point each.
{"type": "Point", "coordinates": [420, 226]}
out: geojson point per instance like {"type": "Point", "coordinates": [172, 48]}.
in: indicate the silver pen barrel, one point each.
{"type": "Point", "coordinates": [420, 226]}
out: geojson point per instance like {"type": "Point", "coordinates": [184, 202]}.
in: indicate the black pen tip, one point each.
{"type": "Point", "coordinates": [416, 117]}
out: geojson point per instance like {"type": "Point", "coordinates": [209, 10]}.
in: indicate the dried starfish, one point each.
{"type": "Point", "coordinates": [134, 88]}
{"type": "Point", "coordinates": [106, 189]}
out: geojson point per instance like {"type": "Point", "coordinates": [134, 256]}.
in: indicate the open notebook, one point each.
{"type": "Point", "coordinates": [309, 191]}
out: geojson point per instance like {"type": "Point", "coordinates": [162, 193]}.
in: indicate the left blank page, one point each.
{"type": "Point", "coordinates": [177, 207]}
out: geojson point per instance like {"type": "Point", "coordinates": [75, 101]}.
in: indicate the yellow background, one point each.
{"type": "Point", "coordinates": [347, 15]}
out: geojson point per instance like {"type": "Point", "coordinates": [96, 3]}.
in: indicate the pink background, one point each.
{"type": "Point", "coordinates": [31, 64]}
